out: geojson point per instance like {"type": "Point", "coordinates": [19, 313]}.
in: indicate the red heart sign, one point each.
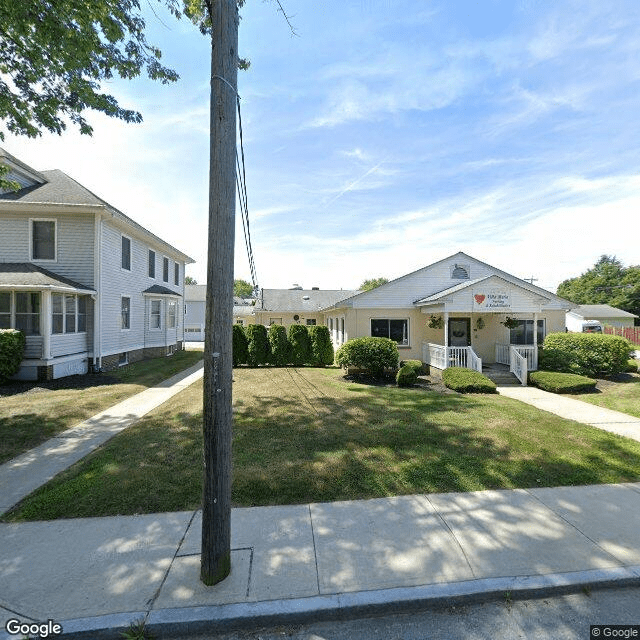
{"type": "Point", "coordinates": [479, 298]}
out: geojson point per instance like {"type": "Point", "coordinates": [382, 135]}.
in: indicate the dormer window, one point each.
{"type": "Point", "coordinates": [460, 272]}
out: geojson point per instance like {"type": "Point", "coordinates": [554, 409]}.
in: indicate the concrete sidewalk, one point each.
{"type": "Point", "coordinates": [23, 475]}
{"type": "Point", "coordinates": [316, 561]}
{"type": "Point", "coordinates": [573, 409]}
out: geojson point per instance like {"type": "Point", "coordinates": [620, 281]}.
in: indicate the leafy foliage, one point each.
{"type": "Point", "coordinates": [607, 282]}
{"type": "Point", "coordinates": [190, 280]}
{"type": "Point", "coordinates": [561, 382]}
{"type": "Point", "coordinates": [589, 354]}
{"type": "Point", "coordinates": [417, 365]}
{"type": "Point", "coordinates": [12, 345]}
{"type": "Point", "coordinates": [371, 354]}
{"type": "Point", "coordinates": [372, 283]}
{"type": "Point", "coordinates": [406, 376]}
{"type": "Point", "coordinates": [321, 347]}
{"type": "Point", "coordinates": [300, 344]}
{"type": "Point", "coordinates": [240, 345]}
{"type": "Point", "coordinates": [279, 344]}
{"type": "Point", "coordinates": [467, 381]}
{"type": "Point", "coordinates": [258, 351]}
{"type": "Point", "coordinates": [242, 289]}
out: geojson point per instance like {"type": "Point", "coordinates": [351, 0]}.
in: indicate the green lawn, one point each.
{"type": "Point", "coordinates": [307, 435]}
{"type": "Point", "coordinates": [28, 419]}
{"type": "Point", "coordinates": [622, 396]}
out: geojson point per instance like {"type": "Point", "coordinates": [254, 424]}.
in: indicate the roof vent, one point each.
{"type": "Point", "coordinates": [305, 297]}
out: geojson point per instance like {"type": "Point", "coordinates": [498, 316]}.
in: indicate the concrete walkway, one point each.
{"type": "Point", "coordinates": [572, 409]}
{"type": "Point", "coordinates": [316, 561]}
{"type": "Point", "coordinates": [23, 475]}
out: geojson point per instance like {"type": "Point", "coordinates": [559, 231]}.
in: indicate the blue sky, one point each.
{"type": "Point", "coordinates": [387, 135]}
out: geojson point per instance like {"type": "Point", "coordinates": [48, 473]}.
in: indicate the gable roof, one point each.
{"type": "Point", "coordinates": [58, 189]}
{"type": "Point", "coordinates": [601, 311]}
{"type": "Point", "coordinates": [304, 300]}
{"type": "Point", "coordinates": [159, 290]}
{"type": "Point", "coordinates": [25, 275]}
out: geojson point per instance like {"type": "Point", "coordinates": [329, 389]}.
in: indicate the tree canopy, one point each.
{"type": "Point", "coordinates": [372, 283]}
{"type": "Point", "coordinates": [607, 282]}
{"type": "Point", "coordinates": [190, 280]}
{"type": "Point", "coordinates": [242, 289]}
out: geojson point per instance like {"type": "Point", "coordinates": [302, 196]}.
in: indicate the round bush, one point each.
{"type": "Point", "coordinates": [258, 345]}
{"type": "Point", "coordinates": [239, 345]}
{"type": "Point", "coordinates": [300, 344]}
{"type": "Point", "coordinates": [279, 345]}
{"type": "Point", "coordinates": [467, 381]}
{"type": "Point", "coordinates": [557, 382]}
{"type": "Point", "coordinates": [406, 376]}
{"type": "Point", "coordinates": [12, 345]}
{"type": "Point", "coordinates": [321, 347]}
{"type": "Point", "coordinates": [371, 354]}
{"type": "Point", "coordinates": [416, 365]}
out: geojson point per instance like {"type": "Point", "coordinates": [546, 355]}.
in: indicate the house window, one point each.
{"type": "Point", "coordinates": [397, 330]}
{"type": "Point", "coordinates": [154, 318]}
{"type": "Point", "coordinates": [176, 274]}
{"type": "Point", "coordinates": [28, 313]}
{"type": "Point", "coordinates": [43, 239]}
{"type": "Point", "coordinates": [126, 253]}
{"type": "Point", "coordinates": [82, 314]}
{"type": "Point", "coordinates": [165, 269]}
{"type": "Point", "coordinates": [152, 264]}
{"type": "Point", "coordinates": [523, 333]}
{"type": "Point", "coordinates": [341, 330]}
{"type": "Point", "coordinates": [240, 321]}
{"type": "Point", "coordinates": [126, 313]}
{"type": "Point", "coordinates": [57, 313]}
{"type": "Point", "coordinates": [5, 311]}
{"type": "Point", "coordinates": [311, 322]}
{"type": "Point", "coordinates": [70, 314]}
{"type": "Point", "coordinates": [171, 314]}
{"type": "Point", "coordinates": [123, 358]}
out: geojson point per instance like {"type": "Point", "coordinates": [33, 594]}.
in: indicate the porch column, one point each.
{"type": "Point", "coordinates": [446, 329]}
{"type": "Point", "coordinates": [45, 323]}
{"type": "Point", "coordinates": [535, 341]}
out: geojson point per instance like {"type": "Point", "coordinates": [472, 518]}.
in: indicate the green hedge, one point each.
{"type": "Point", "coordinates": [417, 365]}
{"type": "Point", "coordinates": [633, 366]}
{"type": "Point", "coordinates": [406, 376]}
{"type": "Point", "coordinates": [279, 344]}
{"type": "Point", "coordinates": [557, 382]}
{"type": "Point", "coordinates": [371, 354]}
{"type": "Point", "coordinates": [298, 336]}
{"type": "Point", "coordinates": [239, 345]}
{"type": "Point", "coordinates": [321, 347]}
{"type": "Point", "coordinates": [467, 381]}
{"type": "Point", "coordinates": [588, 354]}
{"type": "Point", "coordinates": [258, 351]}
{"type": "Point", "coordinates": [12, 345]}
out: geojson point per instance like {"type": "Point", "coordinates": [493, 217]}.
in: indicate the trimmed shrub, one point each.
{"type": "Point", "coordinates": [12, 345]}
{"type": "Point", "coordinates": [371, 354]}
{"type": "Point", "coordinates": [632, 366]}
{"type": "Point", "coordinates": [406, 376]}
{"type": "Point", "coordinates": [258, 345]}
{"type": "Point", "coordinates": [557, 382]}
{"type": "Point", "coordinates": [239, 345]}
{"type": "Point", "coordinates": [300, 345]}
{"type": "Point", "coordinates": [279, 344]}
{"type": "Point", "coordinates": [467, 381]}
{"type": "Point", "coordinates": [417, 365]}
{"type": "Point", "coordinates": [589, 354]}
{"type": "Point", "coordinates": [321, 347]}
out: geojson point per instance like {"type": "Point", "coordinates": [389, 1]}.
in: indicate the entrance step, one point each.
{"type": "Point", "coordinates": [502, 377]}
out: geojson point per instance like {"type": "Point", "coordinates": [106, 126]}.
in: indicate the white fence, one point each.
{"type": "Point", "coordinates": [442, 357]}
{"type": "Point", "coordinates": [529, 352]}
{"type": "Point", "coordinates": [518, 365]}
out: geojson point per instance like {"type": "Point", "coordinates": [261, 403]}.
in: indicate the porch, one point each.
{"type": "Point", "coordinates": [520, 359]}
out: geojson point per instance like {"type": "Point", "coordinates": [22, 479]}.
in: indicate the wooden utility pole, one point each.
{"type": "Point", "coordinates": [218, 371]}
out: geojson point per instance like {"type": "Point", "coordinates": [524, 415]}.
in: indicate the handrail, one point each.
{"type": "Point", "coordinates": [518, 365]}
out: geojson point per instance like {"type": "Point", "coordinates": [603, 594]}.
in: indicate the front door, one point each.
{"type": "Point", "coordinates": [459, 332]}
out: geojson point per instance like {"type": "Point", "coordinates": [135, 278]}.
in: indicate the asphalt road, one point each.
{"type": "Point", "coordinates": [558, 618]}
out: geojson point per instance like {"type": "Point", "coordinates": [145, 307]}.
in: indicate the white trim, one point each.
{"type": "Point", "coordinates": [168, 269]}
{"type": "Point", "coordinates": [121, 299]}
{"type": "Point", "coordinates": [55, 240]}
{"type": "Point", "coordinates": [122, 237]}
{"type": "Point", "coordinates": [155, 263]}
{"type": "Point", "coordinates": [151, 314]}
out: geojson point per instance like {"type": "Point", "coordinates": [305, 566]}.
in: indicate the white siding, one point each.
{"type": "Point", "coordinates": [64, 344]}
{"type": "Point", "coordinates": [74, 250]}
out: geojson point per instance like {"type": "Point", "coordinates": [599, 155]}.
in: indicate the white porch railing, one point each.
{"type": "Point", "coordinates": [518, 365]}
{"type": "Point", "coordinates": [442, 357]}
{"type": "Point", "coordinates": [525, 350]}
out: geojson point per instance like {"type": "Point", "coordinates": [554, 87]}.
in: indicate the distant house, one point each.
{"type": "Point", "coordinates": [603, 313]}
{"type": "Point", "coordinates": [89, 287]}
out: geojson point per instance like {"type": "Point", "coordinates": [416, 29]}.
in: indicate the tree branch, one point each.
{"type": "Point", "coordinates": [286, 17]}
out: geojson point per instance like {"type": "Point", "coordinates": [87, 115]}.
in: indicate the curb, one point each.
{"type": "Point", "coordinates": [166, 623]}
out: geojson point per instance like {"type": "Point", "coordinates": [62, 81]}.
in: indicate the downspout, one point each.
{"type": "Point", "coordinates": [97, 299]}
